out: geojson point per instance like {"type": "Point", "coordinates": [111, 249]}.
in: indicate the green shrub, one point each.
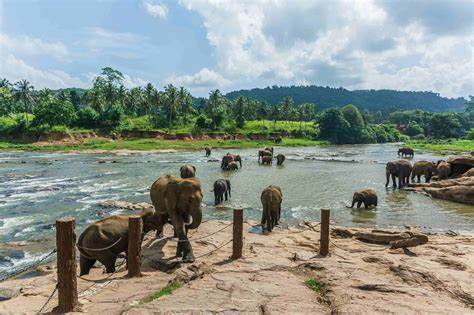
{"type": "Point", "coordinates": [87, 117]}
{"type": "Point", "coordinates": [470, 134]}
{"type": "Point", "coordinates": [54, 111]}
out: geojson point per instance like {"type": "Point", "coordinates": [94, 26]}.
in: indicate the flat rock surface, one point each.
{"type": "Point", "coordinates": [356, 277]}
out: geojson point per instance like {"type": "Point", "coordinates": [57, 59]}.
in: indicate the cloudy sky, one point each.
{"type": "Point", "coordinates": [417, 45]}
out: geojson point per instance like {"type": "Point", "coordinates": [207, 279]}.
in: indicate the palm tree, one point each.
{"type": "Point", "coordinates": [185, 103]}
{"type": "Point", "coordinates": [5, 83]}
{"type": "Point", "coordinates": [24, 93]}
{"type": "Point", "coordinates": [170, 101]}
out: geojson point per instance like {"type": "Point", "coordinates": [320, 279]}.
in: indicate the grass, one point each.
{"type": "Point", "coordinates": [314, 285]}
{"type": "Point", "coordinates": [154, 144]}
{"type": "Point", "coordinates": [443, 146]}
{"type": "Point", "coordinates": [165, 291]}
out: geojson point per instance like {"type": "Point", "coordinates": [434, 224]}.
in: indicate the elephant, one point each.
{"type": "Point", "coordinates": [425, 168]}
{"type": "Point", "coordinates": [269, 149]}
{"type": "Point", "coordinates": [187, 171]}
{"type": "Point", "coordinates": [180, 200]}
{"type": "Point", "coordinates": [232, 166]}
{"type": "Point", "coordinates": [400, 169]}
{"type": "Point", "coordinates": [271, 201]}
{"type": "Point", "coordinates": [443, 169]}
{"type": "Point", "coordinates": [408, 152]}
{"type": "Point", "coordinates": [221, 189]}
{"type": "Point", "coordinates": [262, 153]}
{"type": "Point", "coordinates": [367, 196]}
{"type": "Point", "coordinates": [226, 159]}
{"type": "Point", "coordinates": [280, 159]}
{"type": "Point", "coordinates": [267, 160]}
{"type": "Point", "coordinates": [105, 239]}
{"type": "Point", "coordinates": [278, 140]}
{"type": "Point", "coordinates": [208, 151]}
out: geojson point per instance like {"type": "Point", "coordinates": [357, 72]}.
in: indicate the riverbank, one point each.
{"type": "Point", "coordinates": [443, 147]}
{"type": "Point", "coordinates": [149, 144]}
{"type": "Point", "coordinates": [280, 273]}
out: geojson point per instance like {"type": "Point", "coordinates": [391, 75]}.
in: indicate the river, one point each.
{"type": "Point", "coordinates": [37, 188]}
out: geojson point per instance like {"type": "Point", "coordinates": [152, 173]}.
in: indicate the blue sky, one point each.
{"type": "Point", "coordinates": [208, 44]}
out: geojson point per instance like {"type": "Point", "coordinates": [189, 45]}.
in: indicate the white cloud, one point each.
{"type": "Point", "coordinates": [362, 44]}
{"type": "Point", "coordinates": [201, 81]}
{"type": "Point", "coordinates": [157, 10]}
{"type": "Point", "coordinates": [14, 69]}
{"type": "Point", "coordinates": [25, 45]}
{"type": "Point", "coordinates": [130, 82]}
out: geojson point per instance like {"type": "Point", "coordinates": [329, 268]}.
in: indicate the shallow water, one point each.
{"type": "Point", "coordinates": [37, 188]}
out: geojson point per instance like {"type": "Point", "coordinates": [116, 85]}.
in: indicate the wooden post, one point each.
{"type": "Point", "coordinates": [237, 242]}
{"type": "Point", "coordinates": [66, 264]}
{"type": "Point", "coordinates": [324, 239]}
{"type": "Point", "coordinates": [134, 245]}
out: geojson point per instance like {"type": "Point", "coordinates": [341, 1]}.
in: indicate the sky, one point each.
{"type": "Point", "coordinates": [415, 45]}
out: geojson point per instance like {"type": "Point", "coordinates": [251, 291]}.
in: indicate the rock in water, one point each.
{"type": "Point", "coordinates": [121, 204]}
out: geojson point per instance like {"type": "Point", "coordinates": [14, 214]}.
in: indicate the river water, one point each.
{"type": "Point", "coordinates": [37, 188]}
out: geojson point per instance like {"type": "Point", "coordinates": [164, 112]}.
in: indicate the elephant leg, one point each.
{"type": "Point", "coordinates": [264, 218]}
{"type": "Point", "coordinates": [359, 203]}
{"type": "Point", "coordinates": [400, 181]}
{"type": "Point", "coordinates": [428, 178]}
{"type": "Point", "coordinates": [418, 178]}
{"type": "Point", "coordinates": [184, 248]}
{"type": "Point", "coordinates": [226, 195]}
{"type": "Point", "coordinates": [86, 265]}
{"type": "Point", "coordinates": [366, 205]}
{"type": "Point", "coordinates": [216, 198]}
{"type": "Point", "coordinates": [108, 259]}
{"type": "Point", "coordinates": [394, 181]}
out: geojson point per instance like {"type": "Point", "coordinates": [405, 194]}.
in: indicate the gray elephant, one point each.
{"type": "Point", "coordinates": [221, 189]}
{"type": "Point", "coordinates": [208, 151]}
{"type": "Point", "coordinates": [105, 239]}
{"type": "Point", "coordinates": [262, 153]}
{"type": "Point", "coordinates": [187, 171]}
{"type": "Point", "coordinates": [232, 166]}
{"type": "Point", "coordinates": [271, 199]}
{"type": "Point", "coordinates": [226, 159]}
{"type": "Point", "coordinates": [400, 169]}
{"type": "Point", "coordinates": [267, 160]}
{"type": "Point", "coordinates": [280, 159]}
{"type": "Point", "coordinates": [443, 169]}
{"type": "Point", "coordinates": [368, 197]}
{"type": "Point", "coordinates": [180, 200]}
{"type": "Point", "coordinates": [408, 152]}
{"type": "Point", "coordinates": [425, 168]}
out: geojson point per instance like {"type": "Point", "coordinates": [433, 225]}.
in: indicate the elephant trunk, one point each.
{"type": "Point", "coordinates": [197, 219]}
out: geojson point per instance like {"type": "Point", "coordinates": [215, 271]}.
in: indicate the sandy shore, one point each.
{"type": "Point", "coordinates": [356, 277]}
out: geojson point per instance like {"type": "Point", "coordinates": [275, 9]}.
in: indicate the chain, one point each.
{"type": "Point", "coordinates": [49, 299]}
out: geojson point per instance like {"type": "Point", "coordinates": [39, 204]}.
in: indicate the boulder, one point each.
{"type": "Point", "coordinates": [7, 293]}
{"type": "Point", "coordinates": [461, 194]}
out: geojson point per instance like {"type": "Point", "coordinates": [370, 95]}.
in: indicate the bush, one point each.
{"type": "Point", "coordinates": [203, 122]}
{"type": "Point", "coordinates": [470, 134]}
{"type": "Point", "coordinates": [414, 129]}
{"type": "Point", "coordinates": [87, 117]}
{"type": "Point", "coordinates": [112, 117]}
{"type": "Point", "coordinates": [54, 112]}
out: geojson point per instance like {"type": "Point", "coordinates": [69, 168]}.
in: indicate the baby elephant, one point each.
{"type": "Point", "coordinates": [368, 197]}
{"type": "Point", "coordinates": [221, 189]}
{"type": "Point", "coordinates": [187, 171]}
{"type": "Point", "coordinates": [271, 201]}
{"type": "Point", "coordinates": [280, 159]}
{"type": "Point", "coordinates": [104, 240]}
{"type": "Point", "coordinates": [208, 151]}
{"type": "Point", "coordinates": [267, 160]}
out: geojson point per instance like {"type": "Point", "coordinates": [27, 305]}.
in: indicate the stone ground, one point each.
{"type": "Point", "coordinates": [356, 277]}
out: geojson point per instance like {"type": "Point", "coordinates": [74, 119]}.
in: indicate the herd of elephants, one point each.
{"type": "Point", "coordinates": [178, 201]}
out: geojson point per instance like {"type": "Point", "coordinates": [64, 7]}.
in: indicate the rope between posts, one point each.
{"type": "Point", "coordinates": [206, 236]}
{"type": "Point", "coordinates": [49, 299]}
{"type": "Point", "coordinates": [215, 249]}
{"type": "Point", "coordinates": [83, 293]}
{"type": "Point", "coordinates": [6, 276]}
{"type": "Point", "coordinates": [99, 249]}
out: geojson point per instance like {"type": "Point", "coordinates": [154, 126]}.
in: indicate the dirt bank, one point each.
{"type": "Point", "coordinates": [356, 278]}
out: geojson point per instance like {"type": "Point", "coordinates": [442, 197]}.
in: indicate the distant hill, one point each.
{"type": "Point", "coordinates": [373, 100]}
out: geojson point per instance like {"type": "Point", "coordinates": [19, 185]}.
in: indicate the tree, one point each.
{"type": "Point", "coordinates": [54, 111]}
{"type": "Point", "coordinates": [185, 103]}
{"type": "Point", "coordinates": [355, 121]}
{"type": "Point", "coordinates": [334, 127]}
{"type": "Point", "coordinates": [6, 101]}
{"type": "Point", "coordinates": [263, 112]}
{"type": "Point", "coordinates": [414, 129]}
{"type": "Point", "coordinates": [215, 108]}
{"type": "Point", "coordinates": [286, 106]}
{"type": "Point", "coordinates": [239, 112]}
{"type": "Point", "coordinates": [24, 93]}
{"type": "Point", "coordinates": [170, 101]}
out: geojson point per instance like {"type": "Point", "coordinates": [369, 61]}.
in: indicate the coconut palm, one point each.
{"type": "Point", "coordinates": [24, 93]}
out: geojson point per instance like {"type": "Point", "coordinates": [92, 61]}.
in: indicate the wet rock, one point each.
{"type": "Point", "coordinates": [121, 204]}
{"type": "Point", "coordinates": [44, 269]}
{"type": "Point", "coordinates": [8, 293]}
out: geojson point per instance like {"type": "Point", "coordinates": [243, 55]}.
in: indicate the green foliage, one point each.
{"type": "Point", "coordinates": [314, 285]}
{"type": "Point", "coordinates": [87, 117]}
{"type": "Point", "coordinates": [470, 134]}
{"type": "Point", "coordinates": [203, 122]}
{"type": "Point", "coordinates": [175, 285]}
{"type": "Point", "coordinates": [414, 129]}
{"type": "Point", "coordinates": [53, 111]}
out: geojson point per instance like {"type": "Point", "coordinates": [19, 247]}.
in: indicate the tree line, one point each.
{"type": "Point", "coordinates": [109, 105]}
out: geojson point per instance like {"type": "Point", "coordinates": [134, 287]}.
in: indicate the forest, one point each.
{"type": "Point", "coordinates": [109, 106]}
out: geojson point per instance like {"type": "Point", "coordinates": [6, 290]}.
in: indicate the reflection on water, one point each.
{"type": "Point", "coordinates": [35, 189]}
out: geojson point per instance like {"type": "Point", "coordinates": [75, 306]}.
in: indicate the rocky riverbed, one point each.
{"type": "Point", "coordinates": [280, 273]}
